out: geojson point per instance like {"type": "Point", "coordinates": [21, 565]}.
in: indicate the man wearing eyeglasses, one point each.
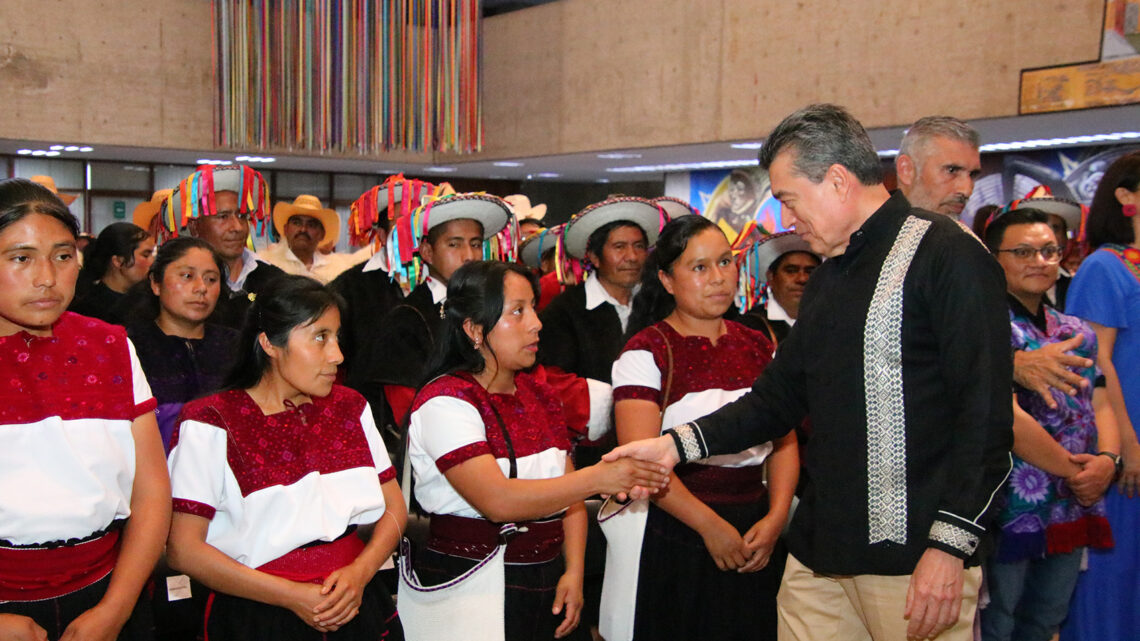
{"type": "Point", "coordinates": [1051, 508]}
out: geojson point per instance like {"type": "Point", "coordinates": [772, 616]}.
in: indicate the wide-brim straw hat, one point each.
{"type": "Point", "coordinates": [523, 210]}
{"type": "Point", "coordinates": [49, 182]}
{"type": "Point", "coordinates": [639, 211]}
{"type": "Point", "coordinates": [534, 246]}
{"type": "Point", "coordinates": [769, 248]}
{"type": "Point", "coordinates": [491, 212]}
{"type": "Point", "coordinates": [1041, 198]}
{"type": "Point", "coordinates": [307, 205]}
{"type": "Point", "coordinates": [145, 212]}
{"type": "Point", "coordinates": [675, 207]}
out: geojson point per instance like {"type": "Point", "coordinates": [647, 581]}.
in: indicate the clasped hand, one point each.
{"type": "Point", "coordinates": [1096, 474]}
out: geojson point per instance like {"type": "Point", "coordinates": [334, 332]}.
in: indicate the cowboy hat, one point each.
{"type": "Point", "coordinates": [522, 208]}
{"type": "Point", "coordinates": [638, 211]}
{"type": "Point", "coordinates": [675, 207]}
{"type": "Point", "coordinates": [146, 211]}
{"type": "Point", "coordinates": [49, 182]}
{"type": "Point", "coordinates": [306, 205]}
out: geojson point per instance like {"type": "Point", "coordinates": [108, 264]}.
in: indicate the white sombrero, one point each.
{"type": "Point", "coordinates": [490, 211]}
{"type": "Point", "coordinates": [535, 245]}
{"type": "Point", "coordinates": [194, 197]}
{"type": "Point", "coordinates": [1042, 199]}
{"type": "Point", "coordinates": [675, 207]}
{"type": "Point", "coordinates": [639, 211]}
{"type": "Point", "coordinates": [769, 248]}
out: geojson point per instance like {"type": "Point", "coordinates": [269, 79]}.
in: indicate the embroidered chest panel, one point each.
{"type": "Point", "coordinates": [733, 363]}
{"type": "Point", "coordinates": [82, 371]}
{"type": "Point", "coordinates": [324, 436]}
{"type": "Point", "coordinates": [533, 416]}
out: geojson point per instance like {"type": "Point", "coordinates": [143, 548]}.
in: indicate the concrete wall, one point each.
{"type": "Point", "coordinates": [581, 75]}
{"type": "Point", "coordinates": [107, 72]}
{"type": "Point", "coordinates": [573, 75]}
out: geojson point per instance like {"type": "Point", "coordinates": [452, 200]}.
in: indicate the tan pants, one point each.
{"type": "Point", "coordinates": [816, 607]}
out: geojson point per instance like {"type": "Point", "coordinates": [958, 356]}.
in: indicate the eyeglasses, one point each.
{"type": "Point", "coordinates": [1049, 253]}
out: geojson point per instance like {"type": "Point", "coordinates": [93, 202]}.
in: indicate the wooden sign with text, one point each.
{"type": "Point", "coordinates": [1098, 84]}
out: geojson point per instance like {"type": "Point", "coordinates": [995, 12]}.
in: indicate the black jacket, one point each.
{"type": "Point", "coordinates": [937, 411]}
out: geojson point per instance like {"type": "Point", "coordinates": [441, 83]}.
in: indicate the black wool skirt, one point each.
{"type": "Point", "coordinates": [681, 594]}
{"type": "Point", "coordinates": [54, 615]}
{"type": "Point", "coordinates": [231, 618]}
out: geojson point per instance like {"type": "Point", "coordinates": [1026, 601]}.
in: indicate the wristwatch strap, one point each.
{"type": "Point", "coordinates": [1116, 460]}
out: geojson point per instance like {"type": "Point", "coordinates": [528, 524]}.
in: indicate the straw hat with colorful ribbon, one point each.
{"type": "Point", "coordinates": [49, 182]}
{"type": "Point", "coordinates": [194, 198]}
{"type": "Point", "coordinates": [638, 211]}
{"type": "Point", "coordinates": [145, 212]}
{"type": "Point", "coordinates": [500, 232]}
{"type": "Point", "coordinates": [675, 207]}
{"type": "Point", "coordinates": [307, 205]}
{"type": "Point", "coordinates": [754, 261]}
{"type": "Point", "coordinates": [534, 246]}
{"type": "Point", "coordinates": [570, 253]}
{"type": "Point", "coordinates": [387, 201]}
{"type": "Point", "coordinates": [1041, 198]}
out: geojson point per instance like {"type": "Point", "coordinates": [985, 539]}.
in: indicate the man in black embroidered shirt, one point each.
{"type": "Point", "coordinates": [901, 357]}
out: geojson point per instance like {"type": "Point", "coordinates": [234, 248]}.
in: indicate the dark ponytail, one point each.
{"type": "Point", "coordinates": [116, 239]}
{"type": "Point", "coordinates": [288, 302]}
{"type": "Point", "coordinates": [475, 293]}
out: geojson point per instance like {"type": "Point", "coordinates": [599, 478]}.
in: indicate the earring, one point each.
{"type": "Point", "coordinates": [1128, 210]}
{"type": "Point", "coordinates": [475, 343]}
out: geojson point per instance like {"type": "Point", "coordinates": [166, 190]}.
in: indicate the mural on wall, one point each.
{"type": "Point", "coordinates": [1072, 173]}
{"type": "Point", "coordinates": [1112, 80]}
{"type": "Point", "coordinates": [732, 198]}
{"type": "Point", "coordinates": [1121, 29]}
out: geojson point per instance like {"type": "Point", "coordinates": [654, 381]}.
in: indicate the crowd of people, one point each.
{"type": "Point", "coordinates": [883, 425]}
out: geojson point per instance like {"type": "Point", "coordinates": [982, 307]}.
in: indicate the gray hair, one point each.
{"type": "Point", "coordinates": [823, 135]}
{"type": "Point", "coordinates": [929, 127]}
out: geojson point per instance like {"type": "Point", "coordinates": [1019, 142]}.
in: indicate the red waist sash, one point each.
{"type": "Point", "coordinates": [312, 563]}
{"type": "Point", "coordinates": [35, 574]}
{"type": "Point", "coordinates": [729, 485]}
{"type": "Point", "coordinates": [534, 542]}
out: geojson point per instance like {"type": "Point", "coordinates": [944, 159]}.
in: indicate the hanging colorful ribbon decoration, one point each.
{"type": "Point", "coordinates": [348, 76]}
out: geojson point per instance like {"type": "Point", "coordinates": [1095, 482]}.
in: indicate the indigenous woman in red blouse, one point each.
{"type": "Point", "coordinates": [707, 565]}
{"type": "Point", "coordinates": [84, 495]}
{"type": "Point", "coordinates": [285, 501]}
{"type": "Point", "coordinates": [488, 444]}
